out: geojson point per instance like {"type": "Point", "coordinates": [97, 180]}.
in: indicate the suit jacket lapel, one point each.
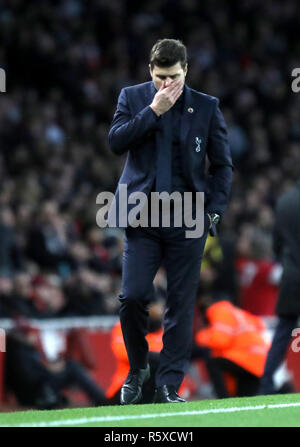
{"type": "Point", "coordinates": [188, 115]}
{"type": "Point", "coordinates": [151, 93]}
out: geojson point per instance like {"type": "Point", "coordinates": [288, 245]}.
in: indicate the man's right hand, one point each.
{"type": "Point", "coordinates": [166, 97]}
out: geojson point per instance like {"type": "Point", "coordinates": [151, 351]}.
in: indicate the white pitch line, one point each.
{"type": "Point", "coordinates": [296, 404]}
{"type": "Point", "coordinates": [151, 415]}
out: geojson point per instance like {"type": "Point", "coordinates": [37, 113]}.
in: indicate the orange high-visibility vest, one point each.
{"type": "Point", "coordinates": [236, 335]}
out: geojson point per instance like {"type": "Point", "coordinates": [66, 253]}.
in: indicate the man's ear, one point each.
{"type": "Point", "coordinates": [150, 69]}
{"type": "Point", "coordinates": [186, 68]}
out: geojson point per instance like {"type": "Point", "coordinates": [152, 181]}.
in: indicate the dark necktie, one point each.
{"type": "Point", "coordinates": [164, 155]}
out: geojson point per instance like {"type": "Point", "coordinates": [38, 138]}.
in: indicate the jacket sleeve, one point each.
{"type": "Point", "coordinates": [221, 167]}
{"type": "Point", "coordinates": [220, 332]}
{"type": "Point", "coordinates": [214, 338]}
{"type": "Point", "coordinates": [126, 131]}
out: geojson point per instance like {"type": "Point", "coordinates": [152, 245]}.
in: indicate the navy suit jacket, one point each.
{"type": "Point", "coordinates": [134, 130]}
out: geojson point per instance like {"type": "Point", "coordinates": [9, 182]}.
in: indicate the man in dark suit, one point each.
{"type": "Point", "coordinates": [166, 129]}
{"type": "Point", "coordinates": [286, 244]}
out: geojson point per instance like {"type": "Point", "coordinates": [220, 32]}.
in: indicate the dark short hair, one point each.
{"type": "Point", "coordinates": [167, 52]}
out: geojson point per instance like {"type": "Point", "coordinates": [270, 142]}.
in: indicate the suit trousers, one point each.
{"type": "Point", "coordinates": [277, 352]}
{"type": "Point", "coordinates": [145, 250]}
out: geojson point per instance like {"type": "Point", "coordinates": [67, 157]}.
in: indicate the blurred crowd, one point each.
{"type": "Point", "coordinates": [66, 61]}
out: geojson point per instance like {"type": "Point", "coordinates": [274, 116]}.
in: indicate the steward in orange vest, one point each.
{"type": "Point", "coordinates": [238, 346]}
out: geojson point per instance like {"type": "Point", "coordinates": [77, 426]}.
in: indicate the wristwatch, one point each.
{"type": "Point", "coordinates": [214, 218]}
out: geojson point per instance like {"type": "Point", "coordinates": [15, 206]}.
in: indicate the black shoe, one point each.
{"type": "Point", "coordinates": [131, 391]}
{"type": "Point", "coordinates": [166, 394]}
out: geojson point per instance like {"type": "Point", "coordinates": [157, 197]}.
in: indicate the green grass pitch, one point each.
{"type": "Point", "coordinates": [259, 411]}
